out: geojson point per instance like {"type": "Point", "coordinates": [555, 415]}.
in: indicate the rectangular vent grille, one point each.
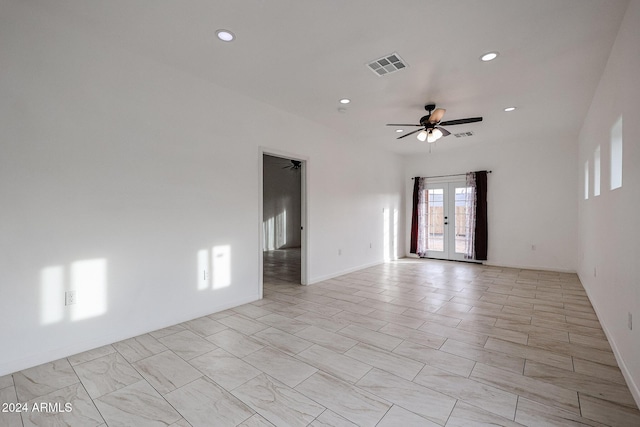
{"type": "Point", "coordinates": [463, 134]}
{"type": "Point", "coordinates": [387, 64]}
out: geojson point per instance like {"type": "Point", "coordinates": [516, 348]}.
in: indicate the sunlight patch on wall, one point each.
{"type": "Point", "coordinates": [52, 295]}
{"type": "Point", "coordinates": [269, 234]}
{"type": "Point", "coordinates": [221, 266]}
{"type": "Point", "coordinates": [394, 255]}
{"type": "Point", "coordinates": [86, 279]}
{"type": "Point", "coordinates": [89, 279]}
{"type": "Point", "coordinates": [284, 227]}
{"type": "Point", "coordinates": [214, 268]}
{"type": "Point", "coordinates": [203, 269]}
{"type": "Point", "coordinates": [386, 238]}
{"type": "Point", "coordinates": [275, 232]}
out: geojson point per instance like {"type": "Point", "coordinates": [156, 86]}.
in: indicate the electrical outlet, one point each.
{"type": "Point", "coordinates": [69, 297]}
{"type": "Point", "coordinates": [630, 321]}
{"type": "Point", "coordinates": [370, 245]}
{"type": "Point", "coordinates": [595, 273]}
{"type": "Point", "coordinates": [339, 251]}
{"type": "Point", "coordinates": [533, 247]}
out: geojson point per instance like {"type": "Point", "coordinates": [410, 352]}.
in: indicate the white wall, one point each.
{"type": "Point", "coordinates": [608, 224]}
{"type": "Point", "coordinates": [112, 158]}
{"type": "Point", "coordinates": [346, 202]}
{"type": "Point", "coordinates": [529, 198]}
{"type": "Point", "coordinates": [281, 204]}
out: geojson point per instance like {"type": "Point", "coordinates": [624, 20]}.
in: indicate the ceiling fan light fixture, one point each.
{"type": "Point", "coordinates": [508, 109]}
{"type": "Point", "coordinates": [399, 130]}
{"type": "Point", "coordinates": [429, 128]}
{"type": "Point", "coordinates": [225, 35]}
{"type": "Point", "coordinates": [489, 56]}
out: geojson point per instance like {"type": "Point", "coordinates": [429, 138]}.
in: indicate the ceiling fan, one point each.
{"type": "Point", "coordinates": [431, 123]}
{"type": "Point", "coordinates": [295, 165]}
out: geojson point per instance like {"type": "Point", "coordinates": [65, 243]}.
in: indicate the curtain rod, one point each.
{"type": "Point", "coordinates": [455, 174]}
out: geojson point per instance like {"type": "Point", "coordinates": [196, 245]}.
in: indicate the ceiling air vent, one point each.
{"type": "Point", "coordinates": [463, 134]}
{"type": "Point", "coordinates": [387, 64]}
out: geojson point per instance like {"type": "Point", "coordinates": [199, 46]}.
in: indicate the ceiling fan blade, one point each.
{"type": "Point", "coordinates": [444, 131]}
{"type": "Point", "coordinates": [401, 125]}
{"type": "Point", "coordinates": [461, 121]}
{"type": "Point", "coordinates": [437, 115]}
{"type": "Point", "coordinates": [410, 133]}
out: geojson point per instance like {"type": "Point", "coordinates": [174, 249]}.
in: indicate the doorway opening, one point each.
{"type": "Point", "coordinates": [282, 228]}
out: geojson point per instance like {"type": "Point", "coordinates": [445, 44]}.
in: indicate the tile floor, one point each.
{"type": "Point", "coordinates": [411, 343]}
{"type": "Point", "coordinates": [282, 265]}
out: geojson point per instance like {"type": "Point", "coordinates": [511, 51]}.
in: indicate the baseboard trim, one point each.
{"type": "Point", "coordinates": [62, 352]}
{"type": "Point", "coordinates": [497, 264]}
{"type": "Point", "coordinates": [343, 272]}
{"type": "Point", "coordinates": [529, 267]}
{"type": "Point", "coordinates": [633, 387]}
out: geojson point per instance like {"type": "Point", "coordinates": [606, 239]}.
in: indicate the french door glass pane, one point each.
{"type": "Point", "coordinates": [462, 221]}
{"type": "Point", "coordinates": [435, 221]}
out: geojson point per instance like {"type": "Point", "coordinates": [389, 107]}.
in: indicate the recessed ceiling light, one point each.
{"type": "Point", "coordinates": [225, 35]}
{"type": "Point", "coordinates": [509, 109]}
{"type": "Point", "coordinates": [399, 130]}
{"type": "Point", "coordinates": [345, 101]}
{"type": "Point", "coordinates": [489, 56]}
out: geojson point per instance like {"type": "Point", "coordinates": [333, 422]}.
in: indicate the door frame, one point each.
{"type": "Point", "coordinates": [449, 231]}
{"type": "Point", "coordinates": [304, 209]}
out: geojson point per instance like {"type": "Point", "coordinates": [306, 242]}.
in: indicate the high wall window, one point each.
{"type": "Point", "coordinates": [586, 180]}
{"type": "Point", "coordinates": [616, 155]}
{"type": "Point", "coordinates": [596, 172]}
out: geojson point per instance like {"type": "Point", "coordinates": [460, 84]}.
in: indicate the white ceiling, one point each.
{"type": "Point", "coordinates": [303, 56]}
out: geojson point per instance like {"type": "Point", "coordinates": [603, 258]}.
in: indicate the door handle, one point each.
{"type": "Point", "coordinates": [446, 223]}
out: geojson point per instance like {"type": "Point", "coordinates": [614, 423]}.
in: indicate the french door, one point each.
{"type": "Point", "coordinates": [448, 225]}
